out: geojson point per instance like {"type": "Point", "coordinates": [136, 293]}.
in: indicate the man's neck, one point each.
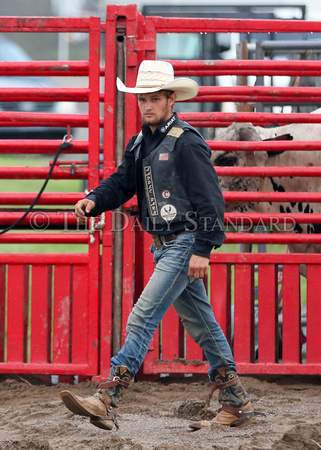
{"type": "Point", "coordinates": [153, 128]}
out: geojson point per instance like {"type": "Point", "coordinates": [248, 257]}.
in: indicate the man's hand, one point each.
{"type": "Point", "coordinates": [82, 207]}
{"type": "Point", "coordinates": [198, 266]}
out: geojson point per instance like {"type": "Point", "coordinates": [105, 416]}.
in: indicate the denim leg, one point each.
{"type": "Point", "coordinates": [169, 285]}
{"type": "Point", "coordinates": [168, 281]}
{"type": "Point", "coordinates": [199, 322]}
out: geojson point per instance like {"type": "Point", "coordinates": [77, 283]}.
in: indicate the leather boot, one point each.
{"type": "Point", "coordinates": [99, 406]}
{"type": "Point", "coordinates": [236, 407]}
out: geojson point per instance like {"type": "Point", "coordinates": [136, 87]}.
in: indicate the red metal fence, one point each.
{"type": "Point", "coordinates": [49, 306]}
{"type": "Point", "coordinates": [235, 277]}
{"type": "Point", "coordinates": [80, 322]}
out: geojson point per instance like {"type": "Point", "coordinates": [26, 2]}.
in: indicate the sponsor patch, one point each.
{"type": "Point", "coordinates": [169, 123]}
{"type": "Point", "coordinates": [168, 212]}
{"type": "Point", "coordinates": [150, 193]}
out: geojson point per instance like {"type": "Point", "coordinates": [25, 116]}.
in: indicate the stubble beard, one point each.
{"type": "Point", "coordinates": [153, 121]}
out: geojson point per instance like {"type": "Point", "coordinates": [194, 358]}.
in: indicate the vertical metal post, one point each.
{"type": "Point", "coordinates": [242, 53]}
{"type": "Point", "coordinates": [259, 55]}
{"type": "Point", "coordinates": [93, 181]}
{"type": "Point", "coordinates": [118, 216]}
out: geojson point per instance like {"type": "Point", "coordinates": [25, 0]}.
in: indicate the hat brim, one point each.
{"type": "Point", "coordinates": [184, 88]}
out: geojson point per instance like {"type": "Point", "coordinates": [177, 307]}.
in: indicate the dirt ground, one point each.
{"type": "Point", "coordinates": [155, 415]}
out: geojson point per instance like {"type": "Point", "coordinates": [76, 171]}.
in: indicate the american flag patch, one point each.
{"type": "Point", "coordinates": [163, 156]}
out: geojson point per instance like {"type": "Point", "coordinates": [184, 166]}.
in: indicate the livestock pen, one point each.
{"type": "Point", "coordinates": [65, 313]}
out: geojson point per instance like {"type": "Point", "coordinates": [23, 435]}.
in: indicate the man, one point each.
{"type": "Point", "coordinates": [180, 203]}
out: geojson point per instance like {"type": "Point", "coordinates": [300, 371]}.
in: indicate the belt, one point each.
{"type": "Point", "coordinates": [160, 239]}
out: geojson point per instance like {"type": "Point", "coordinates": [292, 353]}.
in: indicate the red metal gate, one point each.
{"type": "Point", "coordinates": [64, 313]}
{"type": "Point", "coordinates": [172, 351]}
{"type": "Point", "coordinates": [49, 303]}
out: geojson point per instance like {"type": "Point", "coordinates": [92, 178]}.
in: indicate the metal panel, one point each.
{"type": "Point", "coordinates": [41, 289]}
{"type": "Point", "coordinates": [313, 314]}
{"type": "Point", "coordinates": [244, 313]}
{"type": "Point", "coordinates": [61, 336]}
{"type": "Point", "coordinates": [15, 313]}
{"type": "Point", "coordinates": [49, 313]}
{"type": "Point", "coordinates": [170, 335]}
{"type": "Point", "coordinates": [291, 314]}
{"type": "Point", "coordinates": [221, 296]}
{"type": "Point", "coordinates": [268, 314]}
{"type": "Point", "coordinates": [2, 310]}
{"type": "Point", "coordinates": [255, 339]}
{"type": "Point", "coordinates": [61, 315]}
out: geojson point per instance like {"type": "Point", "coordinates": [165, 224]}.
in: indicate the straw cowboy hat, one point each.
{"type": "Point", "coordinates": [154, 76]}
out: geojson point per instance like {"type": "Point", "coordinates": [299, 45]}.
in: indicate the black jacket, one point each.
{"type": "Point", "coordinates": [196, 172]}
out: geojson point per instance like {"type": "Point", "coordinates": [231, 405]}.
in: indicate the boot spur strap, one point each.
{"type": "Point", "coordinates": [220, 387]}
{"type": "Point", "coordinates": [240, 413]}
{"type": "Point", "coordinates": [243, 416]}
{"type": "Point", "coordinates": [115, 382]}
{"type": "Point", "coordinates": [103, 397]}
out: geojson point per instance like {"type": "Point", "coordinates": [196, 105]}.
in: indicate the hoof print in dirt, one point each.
{"type": "Point", "coordinates": [194, 410]}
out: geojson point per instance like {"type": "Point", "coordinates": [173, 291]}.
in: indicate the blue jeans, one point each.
{"type": "Point", "coordinates": [170, 285]}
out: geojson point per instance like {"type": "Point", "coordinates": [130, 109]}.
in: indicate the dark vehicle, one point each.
{"type": "Point", "coordinates": [10, 51]}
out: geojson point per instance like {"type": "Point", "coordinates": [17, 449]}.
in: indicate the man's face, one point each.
{"type": "Point", "coordinates": [155, 108]}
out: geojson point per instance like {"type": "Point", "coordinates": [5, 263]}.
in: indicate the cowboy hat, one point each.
{"type": "Point", "coordinates": [155, 76]}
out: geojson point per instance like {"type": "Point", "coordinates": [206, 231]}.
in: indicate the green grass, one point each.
{"type": "Point", "coordinates": [35, 185]}
{"type": "Point", "coordinates": [63, 186]}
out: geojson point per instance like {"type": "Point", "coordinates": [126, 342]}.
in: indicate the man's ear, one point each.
{"type": "Point", "coordinates": [173, 98]}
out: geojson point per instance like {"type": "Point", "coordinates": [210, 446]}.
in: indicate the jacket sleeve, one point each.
{"type": "Point", "coordinates": [116, 189]}
{"type": "Point", "coordinates": [202, 187]}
